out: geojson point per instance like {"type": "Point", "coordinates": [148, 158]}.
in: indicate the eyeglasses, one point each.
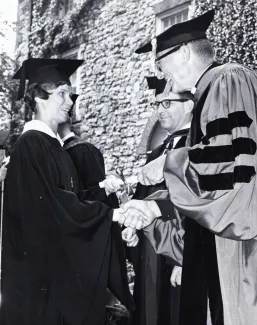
{"type": "Point", "coordinates": [166, 103]}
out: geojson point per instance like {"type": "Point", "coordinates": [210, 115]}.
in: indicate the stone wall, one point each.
{"type": "Point", "coordinates": [114, 101]}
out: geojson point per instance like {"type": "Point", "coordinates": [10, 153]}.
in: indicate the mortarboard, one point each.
{"type": "Point", "coordinates": [157, 84]}
{"type": "Point", "coordinates": [45, 71]}
{"type": "Point", "coordinates": [181, 33]}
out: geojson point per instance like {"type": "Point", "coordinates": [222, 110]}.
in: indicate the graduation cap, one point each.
{"type": "Point", "coordinates": [181, 33]}
{"type": "Point", "coordinates": [157, 84]}
{"type": "Point", "coordinates": [42, 71]}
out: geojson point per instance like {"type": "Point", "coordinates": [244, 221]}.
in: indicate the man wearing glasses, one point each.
{"type": "Point", "coordinates": [154, 258]}
{"type": "Point", "coordinates": [212, 182]}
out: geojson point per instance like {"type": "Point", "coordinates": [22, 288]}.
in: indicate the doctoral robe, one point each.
{"type": "Point", "coordinates": [213, 183]}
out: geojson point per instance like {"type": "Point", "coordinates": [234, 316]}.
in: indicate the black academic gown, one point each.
{"type": "Point", "coordinates": [200, 277]}
{"type": "Point", "coordinates": [56, 246]}
{"type": "Point", "coordinates": [157, 302]}
{"type": "Point", "coordinates": [89, 163]}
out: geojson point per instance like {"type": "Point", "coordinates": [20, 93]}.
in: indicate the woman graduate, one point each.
{"type": "Point", "coordinates": [56, 247]}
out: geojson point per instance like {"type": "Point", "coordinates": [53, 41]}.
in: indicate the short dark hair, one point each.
{"type": "Point", "coordinates": [41, 91]}
{"type": "Point", "coordinates": [203, 48]}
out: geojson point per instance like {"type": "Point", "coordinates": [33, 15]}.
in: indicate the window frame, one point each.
{"type": "Point", "coordinates": [160, 17]}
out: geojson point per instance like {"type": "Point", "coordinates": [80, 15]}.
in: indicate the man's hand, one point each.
{"type": "Point", "coordinates": [111, 184]}
{"type": "Point", "coordinates": [139, 214]}
{"type": "Point", "coordinates": [176, 276]}
{"type": "Point", "coordinates": [130, 236]}
{"type": "Point", "coordinates": [152, 173]}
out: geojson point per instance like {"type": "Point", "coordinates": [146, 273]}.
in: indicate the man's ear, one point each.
{"type": "Point", "coordinates": [185, 54]}
{"type": "Point", "coordinates": [168, 87]}
{"type": "Point", "coordinates": [189, 105]}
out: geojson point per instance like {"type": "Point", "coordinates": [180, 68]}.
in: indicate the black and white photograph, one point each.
{"type": "Point", "coordinates": [128, 157]}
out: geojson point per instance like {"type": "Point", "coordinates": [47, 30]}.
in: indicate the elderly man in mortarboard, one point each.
{"type": "Point", "coordinates": [160, 245]}
{"type": "Point", "coordinates": [213, 179]}
{"type": "Point", "coordinates": [57, 242]}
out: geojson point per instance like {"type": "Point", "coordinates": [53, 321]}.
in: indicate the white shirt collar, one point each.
{"type": "Point", "coordinates": [42, 127]}
{"type": "Point", "coordinates": [176, 140]}
{"type": "Point", "coordinates": [187, 126]}
{"type": "Point", "coordinates": [193, 90]}
{"type": "Point", "coordinates": [71, 134]}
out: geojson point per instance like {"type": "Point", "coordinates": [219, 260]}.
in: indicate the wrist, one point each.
{"type": "Point", "coordinates": [107, 192]}
{"type": "Point", "coordinates": [155, 210]}
{"type": "Point", "coordinates": [115, 215]}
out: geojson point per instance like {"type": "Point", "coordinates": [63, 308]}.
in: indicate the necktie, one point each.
{"type": "Point", "coordinates": [169, 141]}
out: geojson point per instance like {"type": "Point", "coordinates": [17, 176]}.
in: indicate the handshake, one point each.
{"type": "Point", "coordinates": [135, 215]}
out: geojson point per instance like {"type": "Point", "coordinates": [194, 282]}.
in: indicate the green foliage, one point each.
{"type": "Point", "coordinates": [233, 31]}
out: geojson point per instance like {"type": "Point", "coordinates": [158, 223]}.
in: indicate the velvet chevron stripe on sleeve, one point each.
{"type": "Point", "coordinates": [229, 163]}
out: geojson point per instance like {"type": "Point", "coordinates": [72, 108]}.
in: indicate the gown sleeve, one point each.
{"type": "Point", "coordinates": [167, 238]}
{"type": "Point", "coordinates": [214, 182]}
{"type": "Point", "coordinates": [39, 196]}
{"type": "Point", "coordinates": [89, 163]}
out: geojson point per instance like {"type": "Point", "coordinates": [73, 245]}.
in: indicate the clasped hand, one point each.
{"type": "Point", "coordinates": [129, 235]}
{"type": "Point", "coordinates": [111, 184]}
{"type": "Point", "coordinates": [137, 214]}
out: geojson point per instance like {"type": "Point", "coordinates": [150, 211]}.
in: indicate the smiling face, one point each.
{"type": "Point", "coordinates": [176, 116]}
{"type": "Point", "coordinates": [58, 104]}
